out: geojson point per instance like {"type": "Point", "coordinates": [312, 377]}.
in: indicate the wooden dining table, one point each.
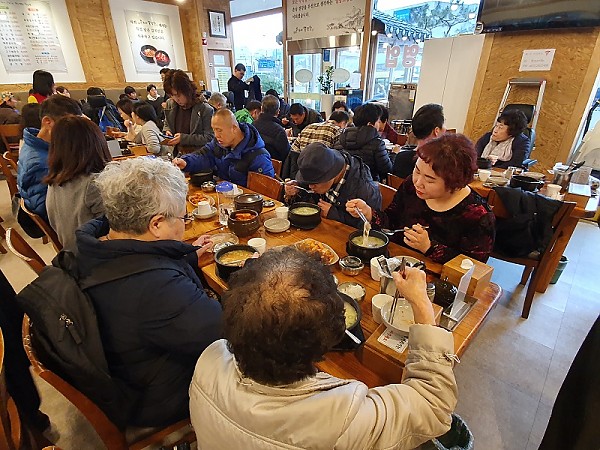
{"type": "Point", "coordinates": [352, 364]}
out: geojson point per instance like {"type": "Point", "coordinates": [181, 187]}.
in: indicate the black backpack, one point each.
{"type": "Point", "coordinates": [65, 329]}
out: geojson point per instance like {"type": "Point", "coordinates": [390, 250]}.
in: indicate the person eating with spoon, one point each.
{"type": "Point", "coordinates": [435, 211]}
{"type": "Point", "coordinates": [329, 178]}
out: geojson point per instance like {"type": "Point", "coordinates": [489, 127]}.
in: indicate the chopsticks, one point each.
{"type": "Point", "coordinates": [400, 269]}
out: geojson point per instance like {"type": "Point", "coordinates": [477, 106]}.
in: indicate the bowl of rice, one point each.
{"type": "Point", "coordinates": [353, 290]}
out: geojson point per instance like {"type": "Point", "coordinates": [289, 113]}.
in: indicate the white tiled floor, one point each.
{"type": "Point", "coordinates": [508, 378]}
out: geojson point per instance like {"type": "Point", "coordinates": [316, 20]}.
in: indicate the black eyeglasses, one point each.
{"type": "Point", "coordinates": [187, 218]}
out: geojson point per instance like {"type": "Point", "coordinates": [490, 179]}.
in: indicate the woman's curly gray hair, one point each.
{"type": "Point", "coordinates": [135, 190]}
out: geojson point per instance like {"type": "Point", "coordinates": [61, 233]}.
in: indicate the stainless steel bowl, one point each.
{"type": "Point", "coordinates": [208, 186]}
{"type": "Point", "coordinates": [351, 265]}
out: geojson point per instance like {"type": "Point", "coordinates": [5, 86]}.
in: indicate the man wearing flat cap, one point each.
{"type": "Point", "coordinates": [334, 177]}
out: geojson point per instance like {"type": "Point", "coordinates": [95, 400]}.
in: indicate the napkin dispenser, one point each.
{"type": "Point", "coordinates": [482, 274]}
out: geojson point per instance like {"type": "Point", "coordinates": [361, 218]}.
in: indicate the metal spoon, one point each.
{"type": "Point", "coordinates": [392, 232]}
{"type": "Point", "coordinates": [308, 191]}
{"type": "Point", "coordinates": [354, 338]}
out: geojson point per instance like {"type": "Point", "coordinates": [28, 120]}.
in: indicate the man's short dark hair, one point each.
{"type": "Point", "coordinates": [129, 90]}
{"type": "Point", "coordinates": [57, 106]}
{"type": "Point", "coordinates": [253, 105]}
{"type": "Point", "coordinates": [515, 120]}
{"type": "Point", "coordinates": [95, 91]}
{"type": "Point", "coordinates": [272, 92]}
{"type": "Point", "coordinates": [296, 109]}
{"type": "Point", "coordinates": [367, 113]}
{"type": "Point", "coordinates": [270, 105]}
{"type": "Point", "coordinates": [164, 70]}
{"type": "Point", "coordinates": [240, 67]}
{"type": "Point", "coordinates": [150, 87]}
{"type": "Point", "coordinates": [293, 297]}
{"type": "Point", "coordinates": [339, 116]}
{"type": "Point", "coordinates": [30, 116]}
{"type": "Point", "coordinates": [426, 119]}
{"type": "Point", "coordinates": [145, 111]}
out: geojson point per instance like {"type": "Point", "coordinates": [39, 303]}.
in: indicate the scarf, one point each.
{"type": "Point", "coordinates": [503, 150]}
{"type": "Point", "coordinates": [152, 99]}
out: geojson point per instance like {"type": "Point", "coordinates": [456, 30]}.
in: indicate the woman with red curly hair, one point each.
{"type": "Point", "coordinates": [435, 209]}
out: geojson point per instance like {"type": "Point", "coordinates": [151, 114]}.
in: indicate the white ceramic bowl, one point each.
{"type": "Point", "coordinates": [403, 318]}
{"type": "Point", "coordinates": [497, 181]}
{"type": "Point", "coordinates": [277, 225]}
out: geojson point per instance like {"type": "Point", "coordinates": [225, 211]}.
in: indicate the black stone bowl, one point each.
{"type": "Point", "coordinates": [366, 253]}
{"type": "Point", "coordinates": [225, 271]}
{"type": "Point", "coordinates": [243, 228]}
{"type": "Point", "coordinates": [525, 183]}
{"type": "Point", "coordinates": [196, 179]}
{"type": "Point", "coordinates": [249, 201]}
{"type": "Point", "coordinates": [304, 221]}
{"type": "Point", "coordinates": [483, 163]}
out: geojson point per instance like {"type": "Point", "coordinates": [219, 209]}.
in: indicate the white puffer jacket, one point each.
{"type": "Point", "coordinates": [231, 412]}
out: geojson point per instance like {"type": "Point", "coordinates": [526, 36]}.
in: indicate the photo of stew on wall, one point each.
{"type": "Point", "coordinates": [150, 40]}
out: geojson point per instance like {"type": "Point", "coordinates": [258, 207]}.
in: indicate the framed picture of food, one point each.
{"type": "Point", "coordinates": [217, 25]}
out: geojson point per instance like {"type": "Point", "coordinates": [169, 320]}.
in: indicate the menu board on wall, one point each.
{"type": "Point", "coordinates": [149, 38]}
{"type": "Point", "coordinates": [321, 18]}
{"type": "Point", "coordinates": [37, 35]}
{"type": "Point", "coordinates": [150, 41]}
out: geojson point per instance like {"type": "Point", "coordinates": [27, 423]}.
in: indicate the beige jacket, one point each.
{"type": "Point", "coordinates": [230, 412]}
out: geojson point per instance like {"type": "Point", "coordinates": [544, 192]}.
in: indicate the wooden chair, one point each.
{"type": "Point", "coordinates": [112, 437]}
{"type": "Point", "coordinates": [14, 433]}
{"type": "Point", "coordinates": [22, 250]}
{"type": "Point", "coordinates": [265, 185]}
{"type": "Point", "coordinates": [387, 195]}
{"type": "Point", "coordinates": [394, 181]}
{"type": "Point", "coordinates": [45, 227]}
{"type": "Point", "coordinates": [277, 166]}
{"type": "Point", "coordinates": [534, 268]}
{"type": "Point", "coordinates": [6, 164]}
{"type": "Point", "coordinates": [12, 162]}
{"type": "Point", "coordinates": [10, 132]}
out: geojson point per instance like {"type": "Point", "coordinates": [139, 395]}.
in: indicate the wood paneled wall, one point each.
{"type": "Point", "coordinates": [569, 84]}
{"type": "Point", "coordinates": [99, 53]}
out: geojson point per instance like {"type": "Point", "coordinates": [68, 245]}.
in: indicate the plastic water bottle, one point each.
{"type": "Point", "coordinates": [224, 191]}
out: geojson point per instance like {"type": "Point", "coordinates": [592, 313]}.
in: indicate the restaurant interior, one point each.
{"type": "Point", "coordinates": [524, 319]}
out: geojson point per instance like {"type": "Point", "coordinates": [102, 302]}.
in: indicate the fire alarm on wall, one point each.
{"type": "Point", "coordinates": [204, 41]}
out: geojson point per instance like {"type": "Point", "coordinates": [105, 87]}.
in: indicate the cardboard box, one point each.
{"type": "Point", "coordinates": [482, 274]}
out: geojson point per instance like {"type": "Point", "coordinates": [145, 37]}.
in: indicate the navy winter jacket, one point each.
{"type": "Point", "coordinates": [229, 163]}
{"type": "Point", "coordinates": [33, 167]}
{"type": "Point", "coordinates": [154, 325]}
{"type": "Point", "coordinates": [366, 143]}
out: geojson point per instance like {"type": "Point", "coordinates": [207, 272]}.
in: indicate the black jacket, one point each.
{"type": "Point", "coordinates": [276, 141]}
{"type": "Point", "coordinates": [239, 88]}
{"type": "Point", "coordinates": [529, 230]}
{"type": "Point", "coordinates": [311, 116]}
{"type": "Point", "coordinates": [404, 161]}
{"type": "Point", "coordinates": [359, 184]}
{"type": "Point", "coordinates": [154, 325]}
{"type": "Point", "coordinates": [366, 143]}
{"type": "Point", "coordinates": [201, 132]}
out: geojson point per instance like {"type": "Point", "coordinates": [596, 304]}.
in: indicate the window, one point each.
{"type": "Point", "coordinates": [256, 46]}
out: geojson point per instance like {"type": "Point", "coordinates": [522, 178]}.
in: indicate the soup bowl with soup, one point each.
{"type": "Point", "coordinates": [375, 246]}
{"type": "Point", "coordinates": [232, 258]}
{"type": "Point", "coordinates": [305, 215]}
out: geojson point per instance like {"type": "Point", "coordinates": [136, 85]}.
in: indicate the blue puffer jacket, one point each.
{"type": "Point", "coordinates": [233, 164]}
{"type": "Point", "coordinates": [33, 167]}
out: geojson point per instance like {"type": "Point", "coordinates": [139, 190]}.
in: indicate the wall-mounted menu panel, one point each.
{"type": "Point", "coordinates": [149, 38]}
{"type": "Point", "coordinates": [37, 35]}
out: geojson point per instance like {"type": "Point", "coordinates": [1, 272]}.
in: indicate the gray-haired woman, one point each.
{"type": "Point", "coordinates": [155, 324]}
